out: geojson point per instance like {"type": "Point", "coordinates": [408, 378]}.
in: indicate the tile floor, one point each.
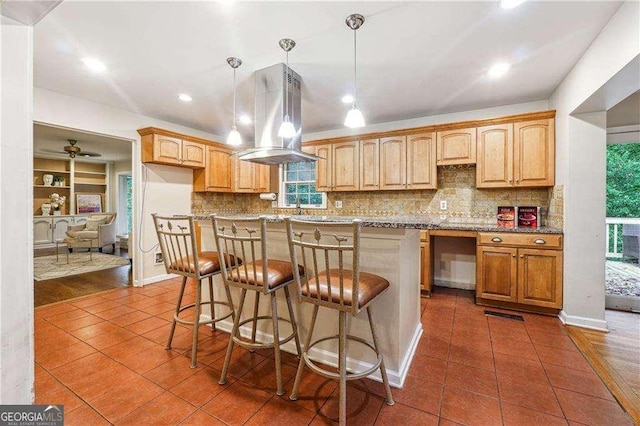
{"type": "Point", "coordinates": [103, 357]}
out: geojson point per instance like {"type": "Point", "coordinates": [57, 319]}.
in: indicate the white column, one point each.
{"type": "Point", "coordinates": [16, 212]}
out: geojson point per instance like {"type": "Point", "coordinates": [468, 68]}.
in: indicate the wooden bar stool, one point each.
{"type": "Point", "coordinates": [247, 239]}
{"type": "Point", "coordinates": [176, 235]}
{"type": "Point", "coordinates": [322, 248]}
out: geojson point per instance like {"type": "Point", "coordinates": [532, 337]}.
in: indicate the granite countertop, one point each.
{"type": "Point", "coordinates": [413, 222]}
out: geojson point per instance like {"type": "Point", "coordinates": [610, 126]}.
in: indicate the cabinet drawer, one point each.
{"type": "Point", "coordinates": [548, 241]}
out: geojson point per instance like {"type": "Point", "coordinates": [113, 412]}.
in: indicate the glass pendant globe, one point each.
{"type": "Point", "coordinates": [234, 137]}
{"type": "Point", "coordinates": [354, 118]}
{"type": "Point", "coordinates": [287, 130]}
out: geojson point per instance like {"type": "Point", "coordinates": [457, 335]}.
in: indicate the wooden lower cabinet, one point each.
{"type": "Point", "coordinates": [520, 275]}
{"type": "Point", "coordinates": [425, 264]}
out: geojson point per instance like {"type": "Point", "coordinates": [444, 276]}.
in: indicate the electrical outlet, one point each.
{"type": "Point", "coordinates": [158, 259]}
{"type": "Point", "coordinates": [338, 204]}
{"type": "Point", "coordinates": [443, 265]}
{"type": "Point", "coordinates": [443, 204]}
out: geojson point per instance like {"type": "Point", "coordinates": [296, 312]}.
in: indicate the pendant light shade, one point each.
{"type": "Point", "coordinates": [234, 137]}
{"type": "Point", "coordinates": [354, 118]}
{"type": "Point", "coordinates": [287, 129]}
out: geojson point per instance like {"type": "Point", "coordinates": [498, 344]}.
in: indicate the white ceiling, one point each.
{"type": "Point", "coordinates": [50, 141]}
{"type": "Point", "coordinates": [415, 58]}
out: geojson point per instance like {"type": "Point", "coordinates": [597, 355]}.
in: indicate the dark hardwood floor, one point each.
{"type": "Point", "coordinates": [63, 288]}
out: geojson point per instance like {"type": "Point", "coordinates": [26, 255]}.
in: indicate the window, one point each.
{"type": "Point", "coordinates": [299, 181]}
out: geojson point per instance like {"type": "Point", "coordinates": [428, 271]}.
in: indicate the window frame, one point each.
{"type": "Point", "coordinates": [282, 191]}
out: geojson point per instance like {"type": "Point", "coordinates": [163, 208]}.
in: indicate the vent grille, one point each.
{"type": "Point", "coordinates": [503, 315]}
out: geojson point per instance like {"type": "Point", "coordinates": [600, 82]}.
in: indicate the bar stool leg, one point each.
{"type": "Point", "coordinates": [301, 364]}
{"type": "Point", "coordinates": [196, 324]}
{"type": "Point", "coordinates": [276, 343]}
{"type": "Point", "coordinates": [342, 367]}
{"type": "Point", "coordinates": [292, 317]}
{"type": "Point", "coordinates": [212, 303]}
{"type": "Point", "coordinates": [383, 370]}
{"type": "Point", "coordinates": [234, 331]}
{"type": "Point", "coordinates": [173, 325]}
{"type": "Point", "coordinates": [256, 308]}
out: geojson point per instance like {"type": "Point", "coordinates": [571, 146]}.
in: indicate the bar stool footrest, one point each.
{"type": "Point", "coordinates": [267, 345]}
{"type": "Point", "coordinates": [211, 321]}
{"type": "Point", "coordinates": [331, 374]}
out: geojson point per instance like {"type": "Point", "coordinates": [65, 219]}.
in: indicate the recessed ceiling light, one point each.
{"type": "Point", "coordinates": [347, 99]}
{"type": "Point", "coordinates": [510, 4]}
{"type": "Point", "coordinates": [498, 70]}
{"type": "Point", "coordinates": [94, 64]}
{"type": "Point", "coordinates": [245, 119]}
{"type": "Point", "coordinates": [185, 98]}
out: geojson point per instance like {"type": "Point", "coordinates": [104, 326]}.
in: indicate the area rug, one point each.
{"type": "Point", "coordinates": [46, 267]}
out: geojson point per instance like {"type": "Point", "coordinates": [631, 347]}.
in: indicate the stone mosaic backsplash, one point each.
{"type": "Point", "coordinates": [456, 185]}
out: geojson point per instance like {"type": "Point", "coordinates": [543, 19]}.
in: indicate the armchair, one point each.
{"type": "Point", "coordinates": [98, 231]}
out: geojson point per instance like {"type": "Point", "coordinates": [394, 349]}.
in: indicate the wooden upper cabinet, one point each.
{"type": "Point", "coordinates": [422, 172]}
{"type": "Point", "coordinates": [534, 153]}
{"type": "Point", "coordinates": [456, 147]}
{"type": "Point", "coordinates": [250, 177]}
{"type": "Point", "coordinates": [262, 178]}
{"type": "Point", "coordinates": [346, 166]}
{"type": "Point", "coordinates": [494, 168]}
{"type": "Point", "coordinates": [324, 167]}
{"type": "Point", "coordinates": [163, 149]}
{"type": "Point", "coordinates": [218, 175]}
{"type": "Point", "coordinates": [369, 165]}
{"type": "Point", "coordinates": [393, 162]}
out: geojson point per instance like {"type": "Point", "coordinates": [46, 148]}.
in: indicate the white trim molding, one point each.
{"type": "Point", "coordinates": [623, 134]}
{"type": "Point", "coordinates": [583, 322]}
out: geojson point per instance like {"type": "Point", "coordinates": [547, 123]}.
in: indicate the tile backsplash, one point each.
{"type": "Point", "coordinates": [456, 185]}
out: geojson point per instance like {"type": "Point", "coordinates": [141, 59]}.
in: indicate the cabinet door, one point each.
{"type": "Point", "coordinates": [42, 230]}
{"type": "Point", "coordinates": [193, 154]}
{"type": "Point", "coordinates": [60, 226]}
{"type": "Point", "coordinates": [324, 168]}
{"type": "Point", "coordinates": [393, 162]}
{"type": "Point", "coordinates": [369, 165]}
{"type": "Point", "coordinates": [219, 170]}
{"type": "Point", "coordinates": [346, 166]}
{"type": "Point", "coordinates": [534, 153]}
{"type": "Point", "coordinates": [494, 167]}
{"type": "Point", "coordinates": [496, 273]}
{"type": "Point", "coordinates": [456, 147]}
{"type": "Point", "coordinates": [425, 263]}
{"type": "Point", "coordinates": [167, 150]}
{"type": "Point", "coordinates": [262, 176]}
{"type": "Point", "coordinates": [244, 179]}
{"type": "Point", "coordinates": [540, 277]}
{"type": "Point", "coordinates": [422, 172]}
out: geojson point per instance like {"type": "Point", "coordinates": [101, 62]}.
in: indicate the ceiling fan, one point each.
{"type": "Point", "coordinates": [74, 150]}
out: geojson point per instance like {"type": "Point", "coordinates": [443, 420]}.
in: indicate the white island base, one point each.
{"type": "Point", "coordinates": [391, 253]}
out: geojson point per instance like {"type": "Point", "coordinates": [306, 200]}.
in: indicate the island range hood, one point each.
{"type": "Point", "coordinates": [272, 85]}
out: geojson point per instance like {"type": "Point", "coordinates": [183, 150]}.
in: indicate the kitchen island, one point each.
{"type": "Point", "coordinates": [390, 247]}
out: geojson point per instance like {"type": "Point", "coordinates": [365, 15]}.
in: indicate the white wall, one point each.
{"type": "Point", "coordinates": [170, 193]}
{"type": "Point", "coordinates": [16, 234]}
{"type": "Point", "coordinates": [459, 257]}
{"type": "Point", "coordinates": [581, 164]}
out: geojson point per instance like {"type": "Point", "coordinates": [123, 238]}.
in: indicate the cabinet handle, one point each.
{"type": "Point", "coordinates": [539, 241]}
{"type": "Point", "coordinates": [521, 256]}
{"type": "Point", "coordinates": [513, 255]}
{"type": "Point", "coordinates": [496, 239]}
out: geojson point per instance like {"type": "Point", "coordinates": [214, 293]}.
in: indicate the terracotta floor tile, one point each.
{"type": "Point", "coordinates": [447, 422]}
{"type": "Point", "coordinates": [278, 411]}
{"type": "Point", "coordinates": [313, 391]}
{"type": "Point", "coordinates": [146, 325]}
{"type": "Point", "coordinates": [76, 323]}
{"type": "Point", "coordinates": [171, 372]}
{"type": "Point", "coordinates": [404, 415]}
{"type": "Point", "coordinates": [166, 409]}
{"type": "Point", "coordinates": [117, 293]}
{"type": "Point", "coordinates": [50, 391]}
{"type": "Point", "coordinates": [201, 387]}
{"type": "Point", "coordinates": [161, 334]}
{"type": "Point", "coordinates": [115, 312]}
{"type": "Point", "coordinates": [537, 396]}
{"type": "Point", "coordinates": [103, 341]}
{"type": "Point", "coordinates": [87, 301]}
{"type": "Point", "coordinates": [590, 410]}
{"type": "Point", "coordinates": [472, 379]}
{"type": "Point", "coordinates": [158, 308]}
{"type": "Point", "coordinates": [263, 376]}
{"type": "Point", "coordinates": [94, 330]}
{"type": "Point", "coordinates": [470, 408]}
{"type": "Point", "coordinates": [428, 368]}
{"type": "Point", "coordinates": [421, 394]}
{"type": "Point", "coordinates": [84, 416]}
{"type": "Point", "coordinates": [92, 375]}
{"type": "Point", "coordinates": [433, 346]}
{"type": "Point", "coordinates": [66, 316]}
{"type": "Point", "coordinates": [62, 355]}
{"type": "Point", "coordinates": [362, 408]}
{"type": "Point", "coordinates": [586, 382]}
{"type": "Point", "coordinates": [130, 347]}
{"type": "Point", "coordinates": [552, 340]}
{"type": "Point", "coordinates": [148, 359]}
{"type": "Point", "coordinates": [564, 358]}
{"type": "Point", "coordinates": [130, 318]}
{"type": "Point", "coordinates": [477, 343]}
{"type": "Point", "coordinates": [141, 302]}
{"type": "Point", "coordinates": [237, 404]}
{"type": "Point", "coordinates": [515, 415]}
{"type": "Point", "coordinates": [200, 418]}
{"type": "Point", "coordinates": [519, 369]}
{"type": "Point", "coordinates": [505, 345]}
{"type": "Point", "coordinates": [241, 362]}
{"type": "Point", "coordinates": [53, 310]}
{"type": "Point", "coordinates": [124, 397]}
{"type": "Point", "coordinates": [469, 356]}
{"type": "Point", "coordinates": [102, 306]}
{"type": "Point", "coordinates": [521, 336]}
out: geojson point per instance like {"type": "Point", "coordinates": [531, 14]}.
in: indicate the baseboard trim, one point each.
{"type": "Point", "coordinates": [396, 377]}
{"type": "Point", "coordinates": [157, 278]}
{"type": "Point", "coordinates": [583, 322]}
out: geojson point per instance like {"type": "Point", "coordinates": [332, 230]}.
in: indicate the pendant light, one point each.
{"type": "Point", "coordinates": [287, 130]}
{"type": "Point", "coordinates": [354, 117]}
{"type": "Point", "coordinates": [234, 137]}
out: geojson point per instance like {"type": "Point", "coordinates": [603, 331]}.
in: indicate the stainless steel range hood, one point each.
{"type": "Point", "coordinates": [270, 108]}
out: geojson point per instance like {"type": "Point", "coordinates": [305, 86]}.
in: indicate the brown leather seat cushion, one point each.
{"type": "Point", "coordinates": [278, 272]}
{"type": "Point", "coordinates": [208, 263]}
{"type": "Point", "coordinates": [369, 286]}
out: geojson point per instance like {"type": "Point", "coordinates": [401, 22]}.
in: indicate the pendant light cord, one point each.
{"type": "Point", "coordinates": [234, 98]}
{"type": "Point", "coordinates": [286, 101]}
{"type": "Point", "coordinates": [355, 67]}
